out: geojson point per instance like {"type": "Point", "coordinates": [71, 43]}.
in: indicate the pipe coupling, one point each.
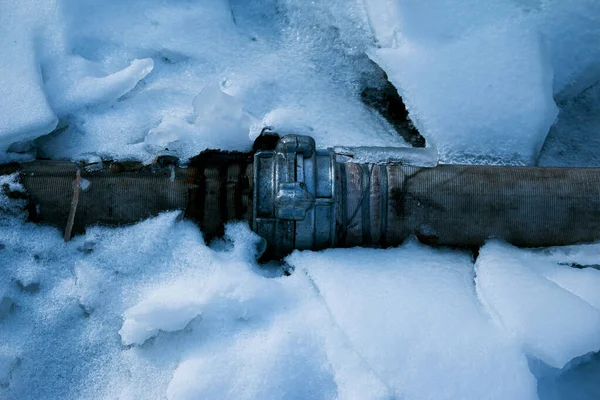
{"type": "Point", "coordinates": [294, 192]}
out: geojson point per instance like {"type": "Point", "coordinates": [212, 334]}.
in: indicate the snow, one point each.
{"type": "Point", "coordinates": [495, 107]}
{"type": "Point", "coordinates": [119, 87]}
{"type": "Point", "coordinates": [576, 132]}
{"type": "Point", "coordinates": [571, 31]}
{"type": "Point", "coordinates": [524, 293]}
{"type": "Point", "coordinates": [67, 97]}
{"type": "Point", "coordinates": [152, 311]}
{"type": "Point", "coordinates": [139, 322]}
{"type": "Point", "coordinates": [218, 122]}
{"type": "Point", "coordinates": [24, 109]}
{"type": "Point", "coordinates": [415, 319]}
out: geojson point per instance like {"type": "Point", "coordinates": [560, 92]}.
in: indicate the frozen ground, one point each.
{"type": "Point", "coordinates": [150, 311]}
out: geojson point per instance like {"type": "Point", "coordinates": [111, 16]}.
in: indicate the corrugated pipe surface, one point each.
{"type": "Point", "coordinates": [464, 205]}
{"type": "Point", "coordinates": [211, 191]}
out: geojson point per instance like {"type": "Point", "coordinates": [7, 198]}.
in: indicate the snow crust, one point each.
{"type": "Point", "coordinates": [571, 30]}
{"type": "Point", "coordinates": [170, 317]}
{"type": "Point", "coordinates": [508, 74]}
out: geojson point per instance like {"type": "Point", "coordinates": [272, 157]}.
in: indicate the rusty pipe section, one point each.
{"type": "Point", "coordinates": [296, 196]}
{"type": "Point", "coordinates": [213, 189]}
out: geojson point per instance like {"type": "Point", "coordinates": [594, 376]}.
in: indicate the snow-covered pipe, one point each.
{"type": "Point", "coordinates": [298, 197]}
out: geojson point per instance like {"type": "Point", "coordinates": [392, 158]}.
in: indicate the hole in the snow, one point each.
{"type": "Point", "coordinates": [382, 96]}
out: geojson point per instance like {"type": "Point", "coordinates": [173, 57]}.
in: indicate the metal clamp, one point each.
{"type": "Point", "coordinates": [294, 190]}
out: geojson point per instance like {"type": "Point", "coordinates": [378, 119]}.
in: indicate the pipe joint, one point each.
{"type": "Point", "coordinates": [294, 192]}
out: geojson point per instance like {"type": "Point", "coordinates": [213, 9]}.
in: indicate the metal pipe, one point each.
{"type": "Point", "coordinates": [298, 197]}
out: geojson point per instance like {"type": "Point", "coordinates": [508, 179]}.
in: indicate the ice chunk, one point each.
{"type": "Point", "coordinates": [495, 107]}
{"type": "Point", "coordinates": [413, 316]}
{"type": "Point", "coordinates": [553, 324]}
{"type": "Point", "coordinates": [169, 309]}
{"type": "Point", "coordinates": [218, 122]}
{"type": "Point", "coordinates": [72, 87]}
{"type": "Point", "coordinates": [213, 106]}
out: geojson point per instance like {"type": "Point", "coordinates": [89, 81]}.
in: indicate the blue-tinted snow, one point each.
{"type": "Point", "coordinates": [150, 311]}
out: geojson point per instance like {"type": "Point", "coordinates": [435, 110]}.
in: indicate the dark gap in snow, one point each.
{"type": "Point", "coordinates": [6, 307]}
{"type": "Point", "coordinates": [255, 18]}
{"type": "Point", "coordinates": [213, 182]}
{"type": "Point", "coordinates": [554, 383]}
{"type": "Point", "coordinates": [580, 266]}
{"type": "Point", "coordinates": [384, 99]}
{"type": "Point", "coordinates": [38, 143]}
{"type": "Point", "coordinates": [30, 288]}
{"type": "Point", "coordinates": [267, 140]}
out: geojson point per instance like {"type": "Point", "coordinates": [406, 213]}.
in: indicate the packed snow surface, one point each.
{"type": "Point", "coordinates": [152, 311]}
